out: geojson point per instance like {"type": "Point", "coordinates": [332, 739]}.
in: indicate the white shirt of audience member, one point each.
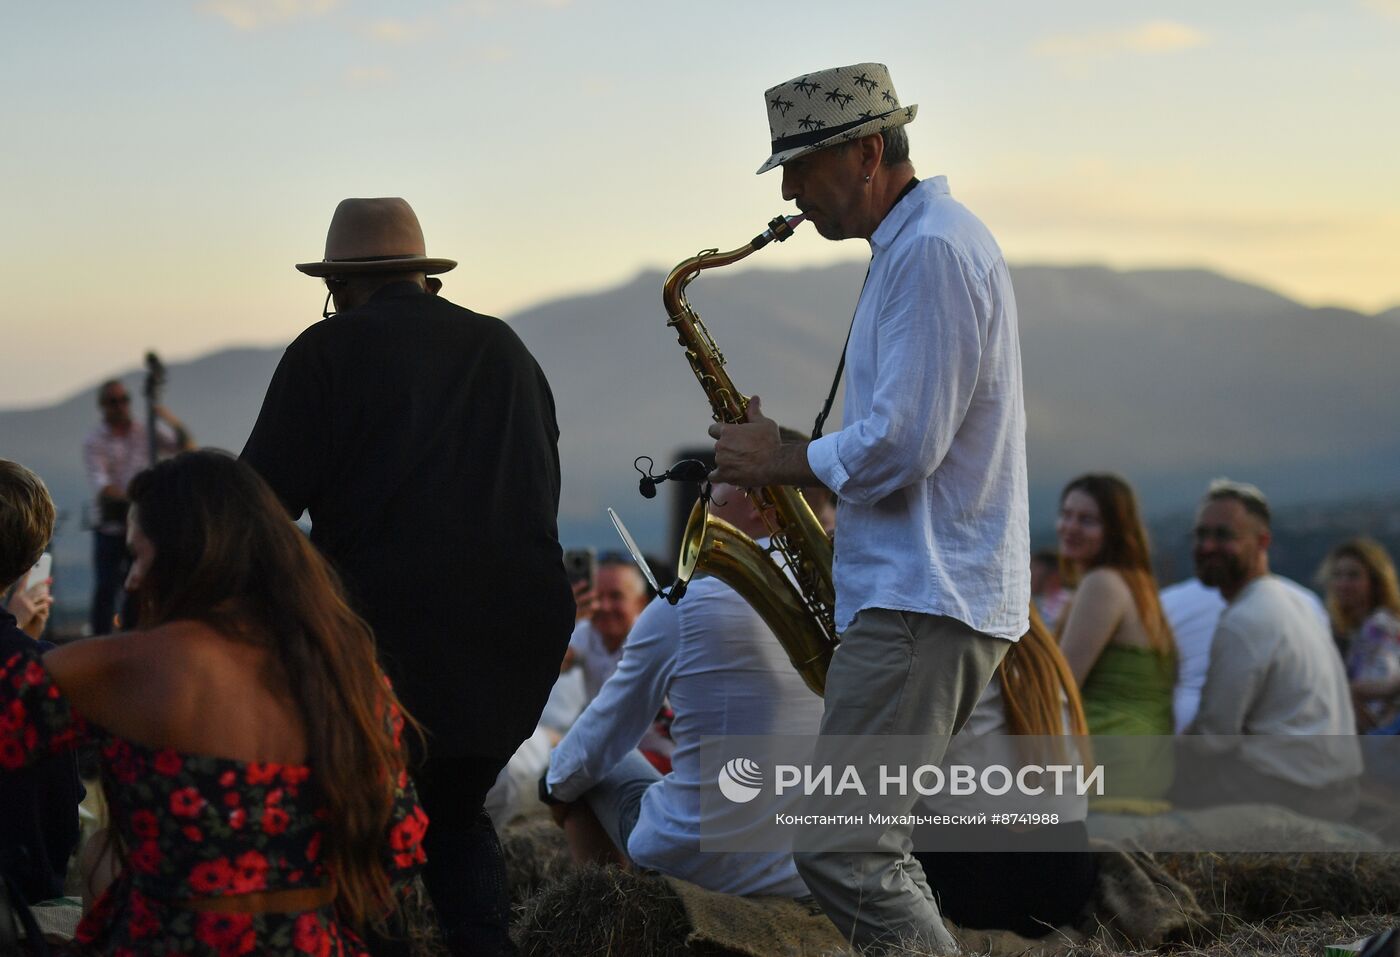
{"type": "Point", "coordinates": [1193, 610]}
{"type": "Point", "coordinates": [723, 671]}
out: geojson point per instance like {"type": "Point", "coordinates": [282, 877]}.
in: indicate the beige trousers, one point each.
{"type": "Point", "coordinates": [896, 673]}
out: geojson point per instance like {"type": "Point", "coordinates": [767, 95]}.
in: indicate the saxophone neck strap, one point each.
{"type": "Point", "coordinates": [841, 366]}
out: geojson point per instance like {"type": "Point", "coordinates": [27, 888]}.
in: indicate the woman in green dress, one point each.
{"type": "Point", "coordinates": [1113, 633]}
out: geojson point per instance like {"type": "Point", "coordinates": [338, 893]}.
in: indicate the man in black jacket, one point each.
{"type": "Point", "coordinates": [421, 439]}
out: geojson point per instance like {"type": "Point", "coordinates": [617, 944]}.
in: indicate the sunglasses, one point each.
{"type": "Point", "coordinates": [116, 400]}
{"type": "Point", "coordinates": [332, 286]}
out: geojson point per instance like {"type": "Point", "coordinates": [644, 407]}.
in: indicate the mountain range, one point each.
{"type": "Point", "coordinates": [1170, 377]}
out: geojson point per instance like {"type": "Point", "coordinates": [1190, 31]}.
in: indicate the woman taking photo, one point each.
{"type": "Point", "coordinates": [250, 746]}
{"type": "Point", "coordinates": [1363, 601]}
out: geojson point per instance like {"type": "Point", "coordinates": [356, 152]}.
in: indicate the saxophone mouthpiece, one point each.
{"type": "Point", "coordinates": [779, 228]}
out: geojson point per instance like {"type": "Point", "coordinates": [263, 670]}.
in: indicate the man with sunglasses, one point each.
{"type": "Point", "coordinates": [113, 453]}
{"type": "Point", "coordinates": [421, 439]}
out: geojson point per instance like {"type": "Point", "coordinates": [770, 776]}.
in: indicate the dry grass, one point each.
{"type": "Point", "coordinates": [603, 911]}
{"type": "Point", "coordinates": [1283, 905]}
{"type": "Point", "coordinates": [1253, 887]}
{"type": "Point", "coordinates": [535, 853]}
{"type": "Point", "coordinates": [1285, 937]}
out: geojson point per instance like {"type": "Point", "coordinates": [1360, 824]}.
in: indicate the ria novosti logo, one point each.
{"type": "Point", "coordinates": [740, 780]}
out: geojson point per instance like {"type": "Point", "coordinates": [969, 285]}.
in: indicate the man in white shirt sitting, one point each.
{"type": "Point", "coordinates": [1193, 610]}
{"type": "Point", "coordinates": [1273, 672]}
{"type": "Point", "coordinates": [724, 672]}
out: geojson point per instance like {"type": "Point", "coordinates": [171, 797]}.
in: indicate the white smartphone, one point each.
{"type": "Point", "coordinates": [36, 583]}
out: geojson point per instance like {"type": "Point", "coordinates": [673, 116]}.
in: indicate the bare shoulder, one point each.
{"type": "Point", "coordinates": [106, 658]}
{"type": "Point", "coordinates": [105, 675]}
{"type": "Point", "coordinates": [1106, 584]}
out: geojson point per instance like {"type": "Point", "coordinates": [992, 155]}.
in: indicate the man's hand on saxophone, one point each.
{"type": "Point", "coordinates": [752, 454]}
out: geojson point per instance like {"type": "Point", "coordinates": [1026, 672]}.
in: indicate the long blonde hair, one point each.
{"type": "Point", "coordinates": [1036, 683]}
{"type": "Point", "coordinates": [1385, 591]}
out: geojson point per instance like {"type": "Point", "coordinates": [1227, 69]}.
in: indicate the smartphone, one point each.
{"type": "Point", "coordinates": [36, 583]}
{"type": "Point", "coordinates": [581, 564]}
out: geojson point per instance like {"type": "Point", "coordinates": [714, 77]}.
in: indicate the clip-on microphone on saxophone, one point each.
{"type": "Point", "coordinates": [688, 470]}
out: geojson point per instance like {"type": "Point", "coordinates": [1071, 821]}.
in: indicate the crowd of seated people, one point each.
{"type": "Point", "coordinates": [1233, 653]}
{"type": "Point", "coordinates": [238, 616]}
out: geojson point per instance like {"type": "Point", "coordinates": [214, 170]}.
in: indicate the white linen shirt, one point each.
{"type": "Point", "coordinates": [1275, 671]}
{"type": "Point", "coordinates": [930, 466]}
{"type": "Point", "coordinates": [725, 673]}
{"type": "Point", "coordinates": [1193, 610]}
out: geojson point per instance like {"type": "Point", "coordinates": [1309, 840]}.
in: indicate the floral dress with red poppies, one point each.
{"type": "Point", "coordinates": [195, 826]}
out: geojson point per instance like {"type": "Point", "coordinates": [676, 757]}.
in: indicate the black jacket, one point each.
{"type": "Point", "coordinates": [421, 438]}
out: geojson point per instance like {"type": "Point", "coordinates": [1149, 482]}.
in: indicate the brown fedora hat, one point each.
{"type": "Point", "coordinates": [375, 235]}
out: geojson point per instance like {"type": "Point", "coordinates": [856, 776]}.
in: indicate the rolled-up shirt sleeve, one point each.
{"type": "Point", "coordinates": [615, 721]}
{"type": "Point", "coordinates": [929, 337]}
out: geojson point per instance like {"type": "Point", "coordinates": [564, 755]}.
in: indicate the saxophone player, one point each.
{"type": "Point", "coordinates": [932, 569]}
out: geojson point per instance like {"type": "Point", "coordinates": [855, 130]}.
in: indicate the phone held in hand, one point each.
{"type": "Point", "coordinates": [581, 564]}
{"type": "Point", "coordinates": [36, 583]}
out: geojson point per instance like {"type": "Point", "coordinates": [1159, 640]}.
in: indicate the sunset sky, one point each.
{"type": "Point", "coordinates": [165, 164]}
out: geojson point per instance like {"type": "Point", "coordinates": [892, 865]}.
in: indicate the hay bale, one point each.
{"type": "Point", "coordinates": [603, 910]}
{"type": "Point", "coordinates": [535, 852]}
{"type": "Point", "coordinates": [762, 926]}
{"type": "Point", "coordinates": [1255, 887]}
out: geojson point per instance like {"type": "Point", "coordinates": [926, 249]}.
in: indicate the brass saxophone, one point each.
{"type": "Point", "coordinates": [788, 584]}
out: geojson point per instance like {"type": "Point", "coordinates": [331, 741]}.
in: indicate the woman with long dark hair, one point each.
{"type": "Point", "coordinates": [251, 748]}
{"type": "Point", "coordinates": [1114, 634]}
{"type": "Point", "coordinates": [1115, 637]}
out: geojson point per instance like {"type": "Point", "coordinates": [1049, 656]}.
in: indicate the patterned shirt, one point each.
{"type": "Point", "coordinates": [112, 459]}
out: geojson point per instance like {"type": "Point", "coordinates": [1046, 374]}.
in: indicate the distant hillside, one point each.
{"type": "Point", "coordinates": [1168, 376]}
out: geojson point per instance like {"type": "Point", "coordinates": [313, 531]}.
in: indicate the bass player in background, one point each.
{"type": "Point", "coordinates": [113, 453]}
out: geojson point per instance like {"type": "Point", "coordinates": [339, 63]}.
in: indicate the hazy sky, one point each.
{"type": "Point", "coordinates": [165, 163]}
